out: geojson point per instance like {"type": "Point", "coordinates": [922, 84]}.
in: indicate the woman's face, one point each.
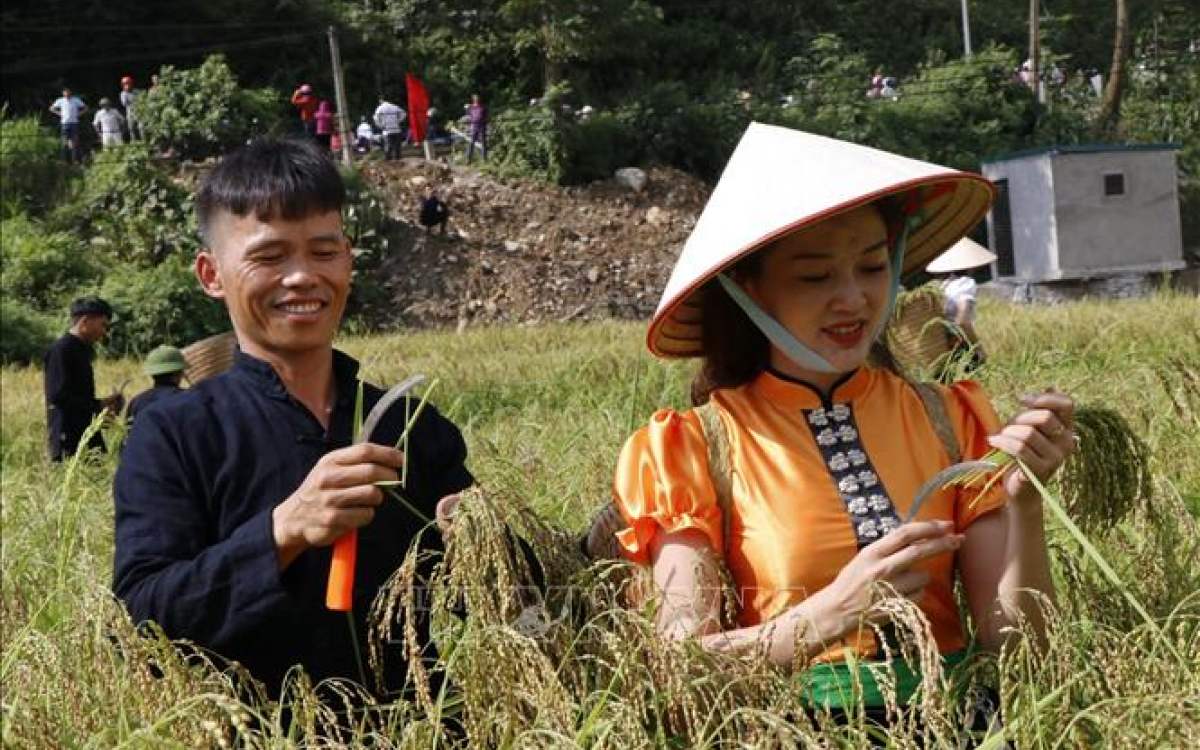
{"type": "Point", "coordinates": [828, 285]}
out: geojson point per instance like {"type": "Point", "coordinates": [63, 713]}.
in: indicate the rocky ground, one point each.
{"type": "Point", "coordinates": [528, 252]}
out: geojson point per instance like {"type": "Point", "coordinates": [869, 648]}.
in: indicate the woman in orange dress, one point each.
{"type": "Point", "coordinates": [783, 289]}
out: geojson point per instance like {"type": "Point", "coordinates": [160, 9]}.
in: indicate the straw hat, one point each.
{"type": "Point", "coordinates": [779, 181]}
{"type": "Point", "coordinates": [964, 254]}
{"type": "Point", "coordinates": [210, 356]}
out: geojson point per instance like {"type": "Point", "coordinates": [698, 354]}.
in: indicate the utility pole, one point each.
{"type": "Point", "coordinates": [339, 93]}
{"type": "Point", "coordinates": [966, 28]}
{"type": "Point", "coordinates": [1034, 37]}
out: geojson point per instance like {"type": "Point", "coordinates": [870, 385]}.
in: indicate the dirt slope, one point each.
{"type": "Point", "coordinates": [527, 252]}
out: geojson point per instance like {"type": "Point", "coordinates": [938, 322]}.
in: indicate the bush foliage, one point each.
{"type": "Point", "coordinates": [161, 304]}
{"type": "Point", "coordinates": [203, 112]}
{"type": "Point", "coordinates": [32, 174]}
{"type": "Point", "coordinates": [131, 208]}
{"type": "Point", "coordinates": [24, 332]}
{"type": "Point", "coordinates": [42, 268]}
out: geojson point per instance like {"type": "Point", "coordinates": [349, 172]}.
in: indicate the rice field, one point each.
{"type": "Point", "coordinates": [545, 410]}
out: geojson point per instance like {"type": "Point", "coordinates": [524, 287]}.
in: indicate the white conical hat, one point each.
{"type": "Point", "coordinates": [964, 254]}
{"type": "Point", "coordinates": [780, 180]}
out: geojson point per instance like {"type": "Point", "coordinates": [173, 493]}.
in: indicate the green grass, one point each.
{"type": "Point", "coordinates": [545, 411]}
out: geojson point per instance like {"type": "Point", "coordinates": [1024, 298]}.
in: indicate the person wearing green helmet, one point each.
{"type": "Point", "coordinates": [165, 365]}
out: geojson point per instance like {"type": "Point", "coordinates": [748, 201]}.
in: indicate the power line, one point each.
{"type": "Point", "coordinates": [68, 50]}
{"type": "Point", "coordinates": [149, 27]}
{"type": "Point", "coordinates": [21, 68]}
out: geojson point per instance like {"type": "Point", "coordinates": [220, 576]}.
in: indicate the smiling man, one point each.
{"type": "Point", "coordinates": [229, 496]}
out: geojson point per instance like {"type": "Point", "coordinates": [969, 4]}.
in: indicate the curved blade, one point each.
{"type": "Point", "coordinates": [380, 408]}
{"type": "Point", "coordinates": [943, 478]}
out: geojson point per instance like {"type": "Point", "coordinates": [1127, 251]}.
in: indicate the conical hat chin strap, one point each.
{"type": "Point", "coordinates": [782, 338]}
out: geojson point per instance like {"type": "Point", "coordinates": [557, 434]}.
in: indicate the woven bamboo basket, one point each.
{"type": "Point", "coordinates": [208, 357]}
{"type": "Point", "coordinates": [918, 335]}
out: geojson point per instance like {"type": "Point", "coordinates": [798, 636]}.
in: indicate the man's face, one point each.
{"type": "Point", "coordinates": [66, 93]}
{"type": "Point", "coordinates": [284, 282]}
{"type": "Point", "coordinates": [92, 328]}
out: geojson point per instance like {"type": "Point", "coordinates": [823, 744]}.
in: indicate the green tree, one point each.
{"type": "Point", "coordinates": [130, 208]}
{"type": "Point", "coordinates": [42, 267]}
{"type": "Point", "coordinates": [158, 305]}
{"type": "Point", "coordinates": [203, 111]}
{"type": "Point", "coordinates": [32, 173]}
{"type": "Point", "coordinates": [515, 48]}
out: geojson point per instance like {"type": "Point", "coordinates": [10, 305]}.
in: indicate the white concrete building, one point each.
{"type": "Point", "coordinates": [1072, 217]}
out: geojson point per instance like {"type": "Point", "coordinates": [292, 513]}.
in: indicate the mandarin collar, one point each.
{"type": "Point", "coordinates": [794, 393]}
{"type": "Point", "coordinates": [262, 375]}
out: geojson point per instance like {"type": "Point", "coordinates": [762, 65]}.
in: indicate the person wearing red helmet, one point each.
{"type": "Point", "coordinates": [128, 97]}
{"type": "Point", "coordinates": [306, 103]}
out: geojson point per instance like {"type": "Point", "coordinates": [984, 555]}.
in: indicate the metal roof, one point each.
{"type": "Point", "coordinates": [1083, 148]}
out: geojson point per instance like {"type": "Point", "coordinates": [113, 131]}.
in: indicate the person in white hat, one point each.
{"type": "Point", "coordinates": [799, 465]}
{"type": "Point", "coordinates": [960, 291]}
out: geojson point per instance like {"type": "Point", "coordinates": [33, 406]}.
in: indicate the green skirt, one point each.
{"type": "Point", "coordinates": [841, 685]}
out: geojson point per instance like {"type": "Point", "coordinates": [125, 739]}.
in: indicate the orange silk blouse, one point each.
{"type": "Point", "coordinates": [812, 482]}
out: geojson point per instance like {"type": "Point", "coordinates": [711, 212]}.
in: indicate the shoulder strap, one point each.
{"type": "Point", "coordinates": [935, 409]}
{"type": "Point", "coordinates": [719, 468]}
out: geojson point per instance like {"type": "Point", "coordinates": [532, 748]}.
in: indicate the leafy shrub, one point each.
{"type": "Point", "coordinates": [371, 232]}
{"type": "Point", "coordinates": [664, 125]}
{"type": "Point", "coordinates": [531, 141]}
{"type": "Point", "coordinates": [32, 172]}
{"type": "Point", "coordinates": [202, 112]}
{"type": "Point", "coordinates": [676, 128]}
{"type": "Point", "coordinates": [24, 332]}
{"type": "Point", "coordinates": [159, 305]}
{"type": "Point", "coordinates": [598, 147]}
{"type": "Point", "coordinates": [131, 208]}
{"type": "Point", "coordinates": [41, 267]}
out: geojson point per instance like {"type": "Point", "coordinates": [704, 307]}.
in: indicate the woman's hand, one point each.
{"type": "Point", "coordinates": [1042, 437]}
{"type": "Point", "coordinates": [889, 560]}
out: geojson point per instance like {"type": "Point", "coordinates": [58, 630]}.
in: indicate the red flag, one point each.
{"type": "Point", "coordinates": [418, 107]}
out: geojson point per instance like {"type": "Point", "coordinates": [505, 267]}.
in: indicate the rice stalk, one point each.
{"type": "Point", "coordinates": [1090, 550]}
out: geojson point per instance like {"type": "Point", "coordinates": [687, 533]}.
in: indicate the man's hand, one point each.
{"type": "Point", "coordinates": [338, 495]}
{"type": "Point", "coordinates": [111, 407]}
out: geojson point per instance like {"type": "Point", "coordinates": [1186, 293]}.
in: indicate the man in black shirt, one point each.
{"type": "Point", "coordinates": [229, 494]}
{"type": "Point", "coordinates": [434, 212]}
{"type": "Point", "coordinates": [70, 383]}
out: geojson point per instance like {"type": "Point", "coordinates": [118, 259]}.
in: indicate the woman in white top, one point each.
{"type": "Point", "coordinates": [960, 291]}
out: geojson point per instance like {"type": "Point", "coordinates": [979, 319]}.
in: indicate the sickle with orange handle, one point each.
{"type": "Point", "coordinates": [339, 593]}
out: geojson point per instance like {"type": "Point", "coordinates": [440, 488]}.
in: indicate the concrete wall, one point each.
{"type": "Point", "coordinates": [1031, 205]}
{"type": "Point", "coordinates": [1139, 230]}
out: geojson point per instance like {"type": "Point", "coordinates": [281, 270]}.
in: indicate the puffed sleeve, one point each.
{"type": "Point", "coordinates": [663, 484]}
{"type": "Point", "coordinates": [974, 420]}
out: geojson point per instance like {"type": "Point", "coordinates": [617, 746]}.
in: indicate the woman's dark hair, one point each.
{"type": "Point", "coordinates": [735, 351]}
{"type": "Point", "coordinates": [289, 178]}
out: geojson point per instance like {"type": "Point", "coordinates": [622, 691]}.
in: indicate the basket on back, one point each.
{"type": "Point", "coordinates": [208, 357]}
{"type": "Point", "coordinates": [918, 335]}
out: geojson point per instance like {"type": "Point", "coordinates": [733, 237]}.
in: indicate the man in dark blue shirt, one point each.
{"type": "Point", "coordinates": [229, 495]}
{"type": "Point", "coordinates": [166, 366]}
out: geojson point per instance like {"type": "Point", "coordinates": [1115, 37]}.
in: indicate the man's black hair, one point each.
{"type": "Point", "coordinates": [288, 178]}
{"type": "Point", "coordinates": [167, 378]}
{"type": "Point", "coordinates": [90, 306]}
